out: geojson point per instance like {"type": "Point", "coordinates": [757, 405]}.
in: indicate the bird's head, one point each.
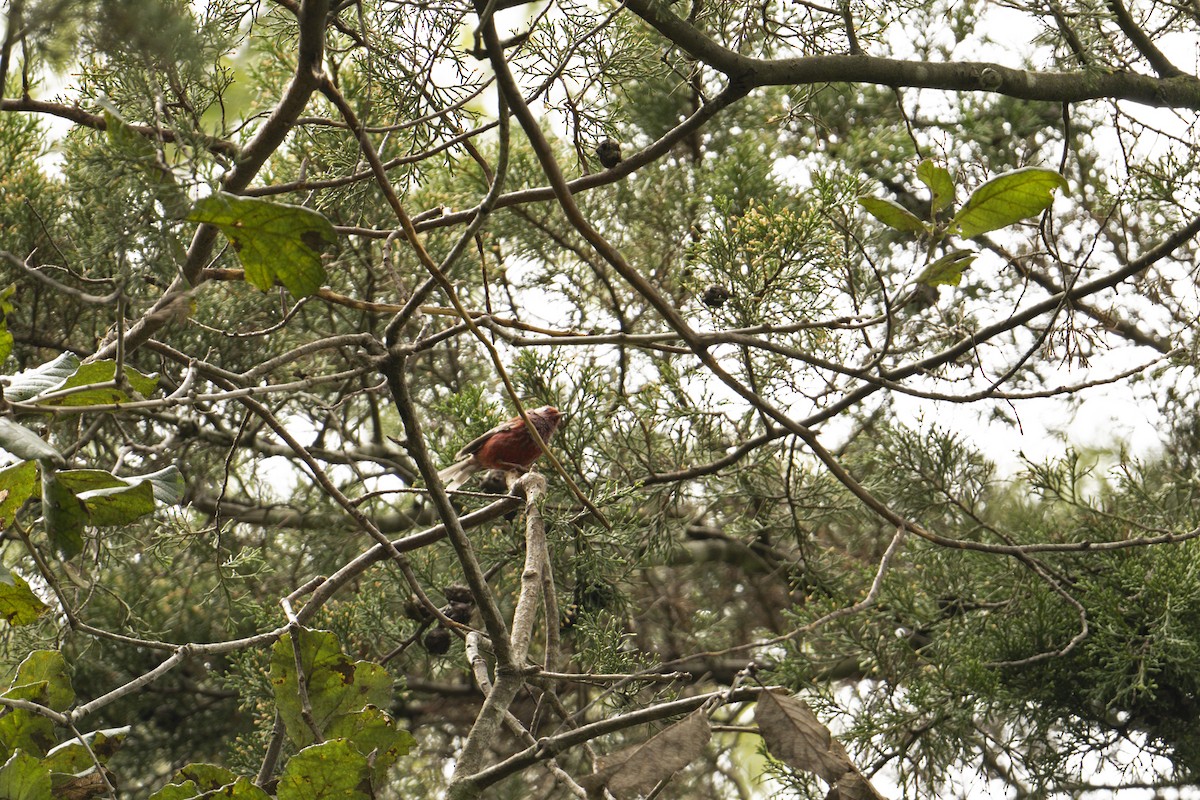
{"type": "Point", "coordinates": [547, 419]}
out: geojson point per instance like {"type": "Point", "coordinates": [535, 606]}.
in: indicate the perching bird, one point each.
{"type": "Point", "coordinates": [609, 153]}
{"type": "Point", "coordinates": [507, 446]}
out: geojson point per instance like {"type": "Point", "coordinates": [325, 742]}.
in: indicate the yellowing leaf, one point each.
{"type": "Point", "coordinates": [336, 685]}
{"type": "Point", "coordinates": [332, 770]}
{"type": "Point", "coordinates": [24, 777]}
{"type": "Point", "coordinates": [46, 669]}
{"type": "Point", "coordinates": [1007, 199]}
{"type": "Point", "coordinates": [947, 270]}
{"type": "Point", "coordinates": [17, 484]}
{"type": "Point", "coordinates": [6, 337]}
{"type": "Point", "coordinates": [373, 731]}
{"type": "Point", "coordinates": [892, 214]}
{"type": "Point", "coordinates": [91, 374]}
{"type": "Point", "coordinates": [18, 604]}
{"type": "Point", "coordinates": [940, 183]}
{"type": "Point", "coordinates": [274, 241]}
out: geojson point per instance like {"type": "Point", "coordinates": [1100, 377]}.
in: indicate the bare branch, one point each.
{"type": "Point", "coordinates": [1177, 91]}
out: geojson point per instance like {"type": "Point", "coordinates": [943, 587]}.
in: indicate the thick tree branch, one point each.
{"type": "Point", "coordinates": [509, 680]}
{"type": "Point", "coordinates": [1144, 44]}
{"type": "Point", "coordinates": [212, 144]}
{"type": "Point", "coordinates": [12, 26]}
{"type": "Point", "coordinates": [1174, 91]}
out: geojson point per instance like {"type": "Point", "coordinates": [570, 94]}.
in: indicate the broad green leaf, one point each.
{"type": "Point", "coordinates": [206, 776]}
{"type": "Point", "coordinates": [940, 183]}
{"type": "Point", "coordinates": [121, 505]}
{"type": "Point", "coordinates": [65, 515]}
{"type": "Point", "coordinates": [372, 730]}
{"type": "Point", "coordinates": [17, 484]}
{"type": "Point", "coordinates": [72, 758]}
{"type": "Point", "coordinates": [332, 770]}
{"type": "Point", "coordinates": [96, 372]}
{"type": "Point", "coordinates": [1007, 199]}
{"type": "Point", "coordinates": [24, 777]}
{"type": "Point", "coordinates": [25, 444]}
{"type": "Point", "coordinates": [18, 604]}
{"type": "Point", "coordinates": [244, 789]}
{"type": "Point", "coordinates": [237, 789]}
{"type": "Point", "coordinates": [167, 483]}
{"type": "Point", "coordinates": [6, 337]}
{"type": "Point", "coordinates": [44, 667]}
{"type": "Point", "coordinates": [274, 241]}
{"type": "Point", "coordinates": [892, 214]}
{"type": "Point", "coordinates": [69, 758]}
{"type": "Point", "coordinates": [111, 500]}
{"type": "Point", "coordinates": [188, 790]}
{"type": "Point", "coordinates": [336, 685]}
{"type": "Point", "coordinates": [25, 730]}
{"type": "Point", "coordinates": [947, 270]}
{"type": "Point", "coordinates": [209, 781]}
{"type": "Point", "coordinates": [88, 480]}
{"type": "Point", "coordinates": [39, 380]}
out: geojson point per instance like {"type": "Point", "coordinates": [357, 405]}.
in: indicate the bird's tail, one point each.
{"type": "Point", "coordinates": [455, 475]}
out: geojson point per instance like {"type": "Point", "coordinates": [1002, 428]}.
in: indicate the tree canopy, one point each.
{"type": "Point", "coordinates": [818, 287]}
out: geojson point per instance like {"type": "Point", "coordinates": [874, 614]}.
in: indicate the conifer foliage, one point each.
{"type": "Point", "coordinates": [873, 330]}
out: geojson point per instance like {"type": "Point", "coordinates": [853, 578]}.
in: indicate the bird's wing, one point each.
{"type": "Point", "coordinates": [473, 446]}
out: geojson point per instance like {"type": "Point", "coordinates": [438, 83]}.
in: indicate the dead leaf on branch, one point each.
{"type": "Point", "coordinates": [638, 769]}
{"type": "Point", "coordinates": [795, 736]}
{"type": "Point", "coordinates": [853, 786]}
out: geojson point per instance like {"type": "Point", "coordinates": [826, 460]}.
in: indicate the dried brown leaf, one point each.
{"type": "Point", "coordinates": [794, 735]}
{"type": "Point", "coordinates": [853, 786]}
{"type": "Point", "coordinates": [638, 769]}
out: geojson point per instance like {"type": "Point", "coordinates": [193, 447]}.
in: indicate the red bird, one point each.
{"type": "Point", "coordinates": [507, 446]}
